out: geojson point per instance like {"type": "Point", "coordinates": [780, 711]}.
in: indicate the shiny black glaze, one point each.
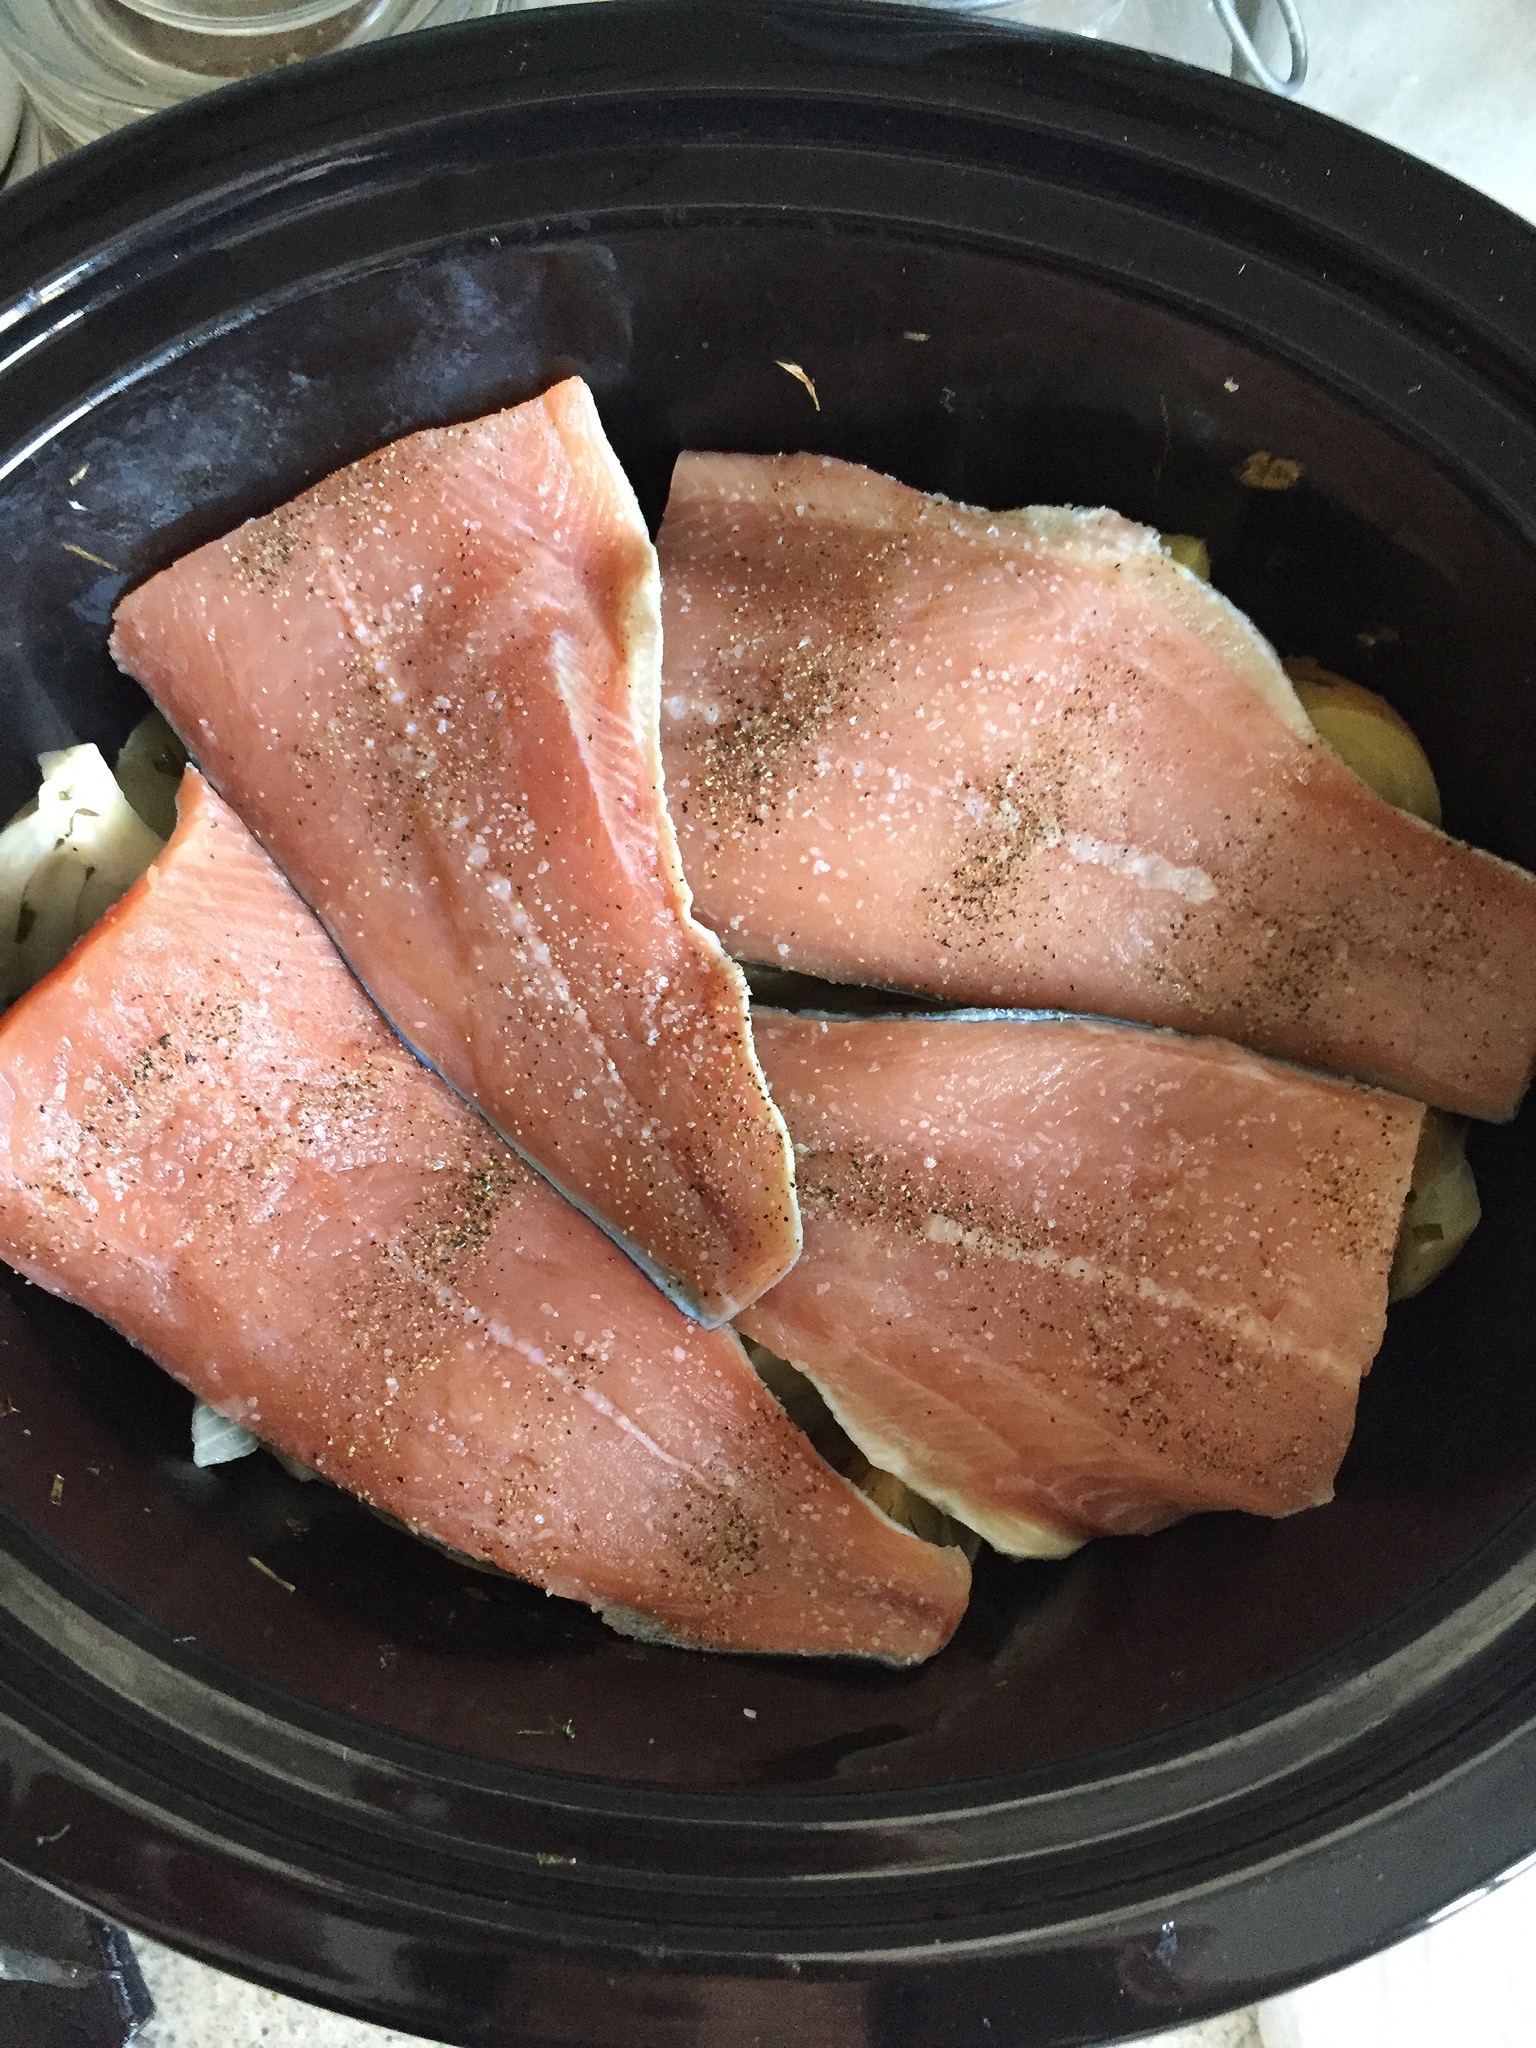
{"type": "Point", "coordinates": [66, 1979]}
{"type": "Point", "coordinates": [1150, 1782]}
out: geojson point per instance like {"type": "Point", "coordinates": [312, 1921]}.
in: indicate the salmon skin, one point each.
{"type": "Point", "coordinates": [1026, 759]}
{"type": "Point", "coordinates": [1069, 1278]}
{"type": "Point", "coordinates": [209, 1137]}
{"type": "Point", "coordinates": [429, 686]}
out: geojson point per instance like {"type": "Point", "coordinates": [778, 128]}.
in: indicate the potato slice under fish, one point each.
{"type": "Point", "coordinates": [65, 861]}
{"type": "Point", "coordinates": [1442, 1209]}
{"type": "Point", "coordinates": [149, 767]}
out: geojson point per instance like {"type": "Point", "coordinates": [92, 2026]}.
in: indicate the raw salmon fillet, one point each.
{"type": "Point", "coordinates": [1068, 1278]}
{"type": "Point", "coordinates": [1026, 759]}
{"type": "Point", "coordinates": [209, 1137]}
{"type": "Point", "coordinates": [429, 686]}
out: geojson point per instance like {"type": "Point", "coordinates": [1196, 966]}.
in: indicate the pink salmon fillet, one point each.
{"type": "Point", "coordinates": [209, 1137]}
{"type": "Point", "coordinates": [1069, 1278]}
{"type": "Point", "coordinates": [429, 686]}
{"type": "Point", "coordinates": [1025, 759]}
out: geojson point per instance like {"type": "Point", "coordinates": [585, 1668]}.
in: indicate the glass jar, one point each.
{"type": "Point", "coordinates": [1261, 40]}
{"type": "Point", "coordinates": [1186, 29]}
{"type": "Point", "coordinates": [91, 65]}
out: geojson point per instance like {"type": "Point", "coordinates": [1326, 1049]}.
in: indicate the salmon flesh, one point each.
{"type": "Point", "coordinates": [211, 1139]}
{"type": "Point", "coordinates": [1068, 1278]}
{"type": "Point", "coordinates": [429, 686]}
{"type": "Point", "coordinates": [1026, 759]}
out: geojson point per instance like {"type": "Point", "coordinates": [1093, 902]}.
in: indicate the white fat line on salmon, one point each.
{"type": "Point", "coordinates": [1150, 870]}
{"type": "Point", "coordinates": [611, 1089]}
{"type": "Point", "coordinates": [606, 743]}
{"type": "Point", "coordinates": [678, 709]}
{"type": "Point", "coordinates": [536, 1355]}
{"type": "Point", "coordinates": [358, 627]}
{"type": "Point", "coordinates": [944, 1230]}
{"type": "Point", "coordinates": [450, 1300]}
{"type": "Point", "coordinates": [1135, 863]}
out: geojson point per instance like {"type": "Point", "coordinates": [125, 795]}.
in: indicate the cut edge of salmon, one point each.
{"type": "Point", "coordinates": [1224, 625]}
{"type": "Point", "coordinates": [1095, 533]}
{"type": "Point", "coordinates": [644, 676]}
{"type": "Point", "coordinates": [946, 1559]}
{"type": "Point", "coordinates": [974, 1014]}
{"type": "Point", "coordinates": [1012, 1535]}
{"type": "Point", "coordinates": [1099, 534]}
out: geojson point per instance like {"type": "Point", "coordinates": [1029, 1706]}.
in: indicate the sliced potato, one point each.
{"type": "Point", "coordinates": [1368, 736]}
{"type": "Point", "coordinates": [1190, 551]}
{"type": "Point", "coordinates": [1442, 1209]}
{"type": "Point", "coordinates": [149, 769]}
{"type": "Point", "coordinates": [218, 1441]}
{"type": "Point", "coordinates": [893, 1497]}
{"type": "Point", "coordinates": [31, 834]}
{"type": "Point", "coordinates": [63, 863]}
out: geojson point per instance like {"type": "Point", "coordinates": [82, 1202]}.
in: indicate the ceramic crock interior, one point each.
{"type": "Point", "coordinates": [959, 371]}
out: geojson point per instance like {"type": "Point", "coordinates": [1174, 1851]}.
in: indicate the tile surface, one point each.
{"type": "Point", "coordinates": [202, 2008]}
{"type": "Point", "coordinates": [1468, 1981]}
{"type": "Point", "coordinates": [196, 2007]}
{"type": "Point", "coordinates": [1453, 81]}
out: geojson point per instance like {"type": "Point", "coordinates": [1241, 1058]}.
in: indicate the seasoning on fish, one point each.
{"type": "Point", "coordinates": [1028, 759]}
{"type": "Point", "coordinates": [1068, 1278]}
{"type": "Point", "coordinates": [429, 686]}
{"type": "Point", "coordinates": [212, 1140]}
